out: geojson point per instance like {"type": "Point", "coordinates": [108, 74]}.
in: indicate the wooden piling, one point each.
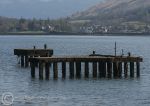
{"type": "Point", "coordinates": [40, 70]}
{"type": "Point", "coordinates": [22, 61]}
{"type": "Point", "coordinates": [26, 61]}
{"type": "Point", "coordinates": [64, 70]}
{"type": "Point", "coordinates": [32, 65]}
{"type": "Point", "coordinates": [102, 69]}
{"type": "Point", "coordinates": [94, 69]}
{"type": "Point", "coordinates": [78, 69]}
{"type": "Point", "coordinates": [71, 67]}
{"type": "Point", "coordinates": [109, 69]}
{"type": "Point", "coordinates": [131, 69]}
{"type": "Point", "coordinates": [138, 69]}
{"type": "Point", "coordinates": [120, 69]}
{"type": "Point", "coordinates": [86, 73]}
{"type": "Point", "coordinates": [55, 70]}
{"type": "Point", "coordinates": [47, 70]}
{"type": "Point", "coordinates": [125, 69]}
{"type": "Point", "coordinates": [115, 69]}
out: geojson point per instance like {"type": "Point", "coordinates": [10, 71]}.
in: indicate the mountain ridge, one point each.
{"type": "Point", "coordinates": [116, 10]}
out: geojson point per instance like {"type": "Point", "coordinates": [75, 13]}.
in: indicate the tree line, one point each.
{"type": "Point", "coordinates": [22, 24]}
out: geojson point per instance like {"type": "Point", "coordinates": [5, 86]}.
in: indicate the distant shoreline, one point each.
{"type": "Point", "coordinates": [71, 33]}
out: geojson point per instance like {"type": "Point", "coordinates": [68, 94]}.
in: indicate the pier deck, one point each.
{"type": "Point", "coordinates": [25, 54]}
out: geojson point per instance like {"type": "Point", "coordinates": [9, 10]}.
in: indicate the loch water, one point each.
{"type": "Point", "coordinates": [82, 92]}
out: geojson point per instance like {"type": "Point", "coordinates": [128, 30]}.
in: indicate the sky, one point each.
{"type": "Point", "coordinates": [43, 8]}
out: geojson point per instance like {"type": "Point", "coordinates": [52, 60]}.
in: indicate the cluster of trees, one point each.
{"type": "Point", "coordinates": [17, 25]}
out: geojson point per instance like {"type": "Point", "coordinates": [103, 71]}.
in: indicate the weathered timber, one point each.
{"type": "Point", "coordinates": [33, 52]}
{"type": "Point", "coordinates": [78, 69]}
{"type": "Point", "coordinates": [26, 61]}
{"type": "Point", "coordinates": [138, 69]}
{"type": "Point", "coordinates": [115, 69]}
{"type": "Point", "coordinates": [120, 69]}
{"type": "Point", "coordinates": [94, 69]}
{"type": "Point", "coordinates": [125, 69]}
{"type": "Point", "coordinates": [32, 69]}
{"type": "Point", "coordinates": [86, 72]}
{"type": "Point", "coordinates": [64, 70]}
{"type": "Point", "coordinates": [41, 70]}
{"type": "Point", "coordinates": [22, 61]}
{"type": "Point", "coordinates": [109, 69]}
{"type": "Point", "coordinates": [132, 69]}
{"type": "Point", "coordinates": [71, 66]}
{"type": "Point", "coordinates": [47, 70]}
{"type": "Point", "coordinates": [26, 53]}
{"type": "Point", "coordinates": [107, 65]}
{"type": "Point", "coordinates": [55, 70]}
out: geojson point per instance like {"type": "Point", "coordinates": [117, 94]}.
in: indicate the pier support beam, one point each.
{"type": "Point", "coordinates": [125, 69]}
{"type": "Point", "coordinates": [138, 69]}
{"type": "Point", "coordinates": [86, 73]}
{"type": "Point", "coordinates": [94, 69]}
{"type": "Point", "coordinates": [63, 70]}
{"type": "Point", "coordinates": [26, 61]}
{"type": "Point", "coordinates": [109, 69]}
{"type": "Point", "coordinates": [120, 69]}
{"type": "Point", "coordinates": [102, 69]}
{"type": "Point", "coordinates": [55, 70]}
{"type": "Point", "coordinates": [131, 69]}
{"type": "Point", "coordinates": [47, 70]}
{"type": "Point", "coordinates": [115, 69]}
{"type": "Point", "coordinates": [32, 69]}
{"type": "Point", "coordinates": [78, 69]}
{"type": "Point", "coordinates": [40, 70]}
{"type": "Point", "coordinates": [22, 61]}
{"type": "Point", "coordinates": [71, 67]}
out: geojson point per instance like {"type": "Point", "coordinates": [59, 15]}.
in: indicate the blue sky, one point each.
{"type": "Point", "coordinates": [43, 8]}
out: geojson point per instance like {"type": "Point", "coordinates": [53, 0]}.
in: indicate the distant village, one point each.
{"type": "Point", "coordinates": [62, 25]}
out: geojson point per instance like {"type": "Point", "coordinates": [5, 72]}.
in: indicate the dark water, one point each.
{"type": "Point", "coordinates": [101, 92]}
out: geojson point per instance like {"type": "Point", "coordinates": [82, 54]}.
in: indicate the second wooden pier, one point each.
{"type": "Point", "coordinates": [25, 54]}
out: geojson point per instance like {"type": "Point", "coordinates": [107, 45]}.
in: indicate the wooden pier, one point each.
{"type": "Point", "coordinates": [102, 66]}
{"type": "Point", "coordinates": [25, 54]}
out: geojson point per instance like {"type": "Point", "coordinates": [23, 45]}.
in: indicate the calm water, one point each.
{"type": "Point", "coordinates": [101, 92]}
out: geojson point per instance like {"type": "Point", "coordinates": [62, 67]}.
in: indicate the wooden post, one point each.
{"type": "Point", "coordinates": [64, 70]}
{"type": "Point", "coordinates": [78, 69]}
{"type": "Point", "coordinates": [94, 69]}
{"type": "Point", "coordinates": [109, 69]}
{"type": "Point", "coordinates": [132, 69]}
{"type": "Point", "coordinates": [55, 70]}
{"type": "Point", "coordinates": [100, 69]}
{"type": "Point", "coordinates": [26, 61]}
{"type": "Point", "coordinates": [104, 69]}
{"type": "Point", "coordinates": [32, 69]}
{"type": "Point", "coordinates": [22, 61]}
{"type": "Point", "coordinates": [40, 70]}
{"type": "Point", "coordinates": [86, 74]}
{"type": "Point", "coordinates": [36, 63]}
{"type": "Point", "coordinates": [125, 69]}
{"type": "Point", "coordinates": [71, 66]}
{"type": "Point", "coordinates": [120, 69]}
{"type": "Point", "coordinates": [138, 69]}
{"type": "Point", "coordinates": [115, 69]}
{"type": "Point", "coordinates": [47, 70]}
